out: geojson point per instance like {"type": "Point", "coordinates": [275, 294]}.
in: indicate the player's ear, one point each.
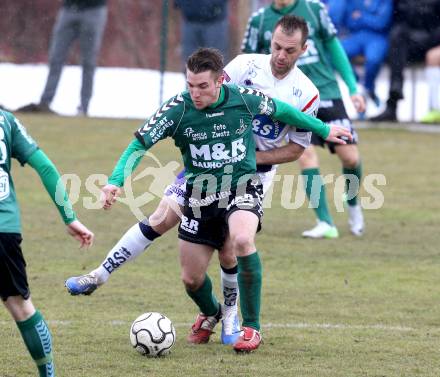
{"type": "Point", "coordinates": [304, 48]}
{"type": "Point", "coordinates": [220, 80]}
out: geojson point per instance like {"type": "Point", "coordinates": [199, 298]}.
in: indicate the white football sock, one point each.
{"type": "Point", "coordinates": [131, 244]}
{"type": "Point", "coordinates": [432, 75]}
{"type": "Point", "coordinates": [229, 288]}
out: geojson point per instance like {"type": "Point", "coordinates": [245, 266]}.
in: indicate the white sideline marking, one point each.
{"type": "Point", "coordinates": [270, 325]}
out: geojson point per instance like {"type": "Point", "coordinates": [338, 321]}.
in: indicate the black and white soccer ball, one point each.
{"type": "Point", "coordinates": [152, 334]}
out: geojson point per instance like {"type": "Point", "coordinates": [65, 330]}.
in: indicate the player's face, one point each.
{"type": "Point", "coordinates": [286, 49]}
{"type": "Point", "coordinates": [204, 88]}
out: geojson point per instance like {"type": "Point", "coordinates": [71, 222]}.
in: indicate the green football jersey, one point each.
{"type": "Point", "coordinates": [16, 143]}
{"type": "Point", "coordinates": [314, 62]}
{"type": "Point", "coordinates": [215, 141]}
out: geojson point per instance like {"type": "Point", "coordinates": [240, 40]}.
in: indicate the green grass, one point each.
{"type": "Point", "coordinates": [346, 307]}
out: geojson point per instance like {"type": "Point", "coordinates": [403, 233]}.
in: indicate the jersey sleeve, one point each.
{"type": "Point", "coordinates": [251, 35]}
{"type": "Point", "coordinates": [293, 117]}
{"type": "Point", "coordinates": [257, 102]}
{"type": "Point", "coordinates": [162, 123]}
{"type": "Point", "coordinates": [23, 146]}
{"type": "Point", "coordinates": [341, 63]}
{"type": "Point", "coordinates": [327, 27]}
{"type": "Point", "coordinates": [311, 104]}
{"type": "Point", "coordinates": [54, 185]}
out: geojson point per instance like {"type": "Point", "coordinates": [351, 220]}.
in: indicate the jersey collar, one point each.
{"type": "Point", "coordinates": [221, 98]}
{"type": "Point", "coordinates": [284, 10]}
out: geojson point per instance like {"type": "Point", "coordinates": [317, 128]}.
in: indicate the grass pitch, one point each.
{"type": "Point", "coordinates": [349, 307]}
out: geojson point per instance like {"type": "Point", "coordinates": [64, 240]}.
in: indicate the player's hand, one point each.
{"type": "Point", "coordinates": [109, 193]}
{"type": "Point", "coordinates": [359, 102]}
{"type": "Point", "coordinates": [80, 232]}
{"type": "Point", "coordinates": [336, 132]}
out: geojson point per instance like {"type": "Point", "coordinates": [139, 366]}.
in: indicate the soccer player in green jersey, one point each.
{"type": "Point", "coordinates": [16, 143]}
{"type": "Point", "coordinates": [324, 53]}
{"type": "Point", "coordinates": [211, 124]}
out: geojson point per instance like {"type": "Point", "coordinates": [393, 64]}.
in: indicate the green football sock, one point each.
{"type": "Point", "coordinates": [36, 336]}
{"type": "Point", "coordinates": [249, 283]}
{"type": "Point", "coordinates": [353, 191]}
{"type": "Point", "coordinates": [315, 190]}
{"type": "Point", "coordinates": [205, 298]}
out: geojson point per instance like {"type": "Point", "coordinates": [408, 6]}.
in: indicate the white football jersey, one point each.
{"type": "Point", "coordinates": [296, 89]}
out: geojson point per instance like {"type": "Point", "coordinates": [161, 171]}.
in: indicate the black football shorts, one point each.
{"type": "Point", "coordinates": [207, 223]}
{"type": "Point", "coordinates": [333, 112]}
{"type": "Point", "coordinates": [13, 278]}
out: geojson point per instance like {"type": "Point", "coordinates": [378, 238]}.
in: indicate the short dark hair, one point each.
{"type": "Point", "coordinates": [206, 59]}
{"type": "Point", "coordinates": [290, 23]}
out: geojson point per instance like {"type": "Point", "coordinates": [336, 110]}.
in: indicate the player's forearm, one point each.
{"type": "Point", "coordinates": [292, 116]}
{"type": "Point", "coordinates": [342, 64]}
{"type": "Point", "coordinates": [127, 163]}
{"type": "Point", "coordinates": [54, 185]}
{"type": "Point", "coordinates": [286, 153]}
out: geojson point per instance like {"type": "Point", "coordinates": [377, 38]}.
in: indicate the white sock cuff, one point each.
{"type": "Point", "coordinates": [230, 278]}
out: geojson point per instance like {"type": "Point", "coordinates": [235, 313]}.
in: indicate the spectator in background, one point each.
{"type": "Point", "coordinates": [204, 24]}
{"type": "Point", "coordinates": [415, 30]}
{"type": "Point", "coordinates": [77, 19]}
{"type": "Point", "coordinates": [336, 10]}
{"type": "Point", "coordinates": [432, 74]}
{"type": "Point", "coordinates": [366, 24]}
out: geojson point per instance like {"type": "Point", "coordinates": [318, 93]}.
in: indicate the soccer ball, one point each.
{"type": "Point", "coordinates": [152, 334]}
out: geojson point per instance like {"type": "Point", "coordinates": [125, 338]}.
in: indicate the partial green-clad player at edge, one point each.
{"type": "Point", "coordinates": [324, 54]}
{"type": "Point", "coordinates": [16, 143]}
{"type": "Point", "coordinates": [211, 124]}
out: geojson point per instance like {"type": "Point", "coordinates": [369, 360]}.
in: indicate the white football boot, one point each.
{"type": "Point", "coordinates": [321, 230]}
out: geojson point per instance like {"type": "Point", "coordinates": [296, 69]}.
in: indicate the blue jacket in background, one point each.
{"type": "Point", "coordinates": [376, 15]}
{"type": "Point", "coordinates": [336, 11]}
{"type": "Point", "coordinates": [203, 10]}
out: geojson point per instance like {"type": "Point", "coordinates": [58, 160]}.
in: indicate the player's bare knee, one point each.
{"type": "Point", "coordinates": [19, 308]}
{"type": "Point", "coordinates": [191, 283]}
{"type": "Point", "coordinates": [227, 259]}
{"type": "Point", "coordinates": [243, 244]}
{"type": "Point", "coordinates": [162, 222]}
{"type": "Point", "coordinates": [350, 162]}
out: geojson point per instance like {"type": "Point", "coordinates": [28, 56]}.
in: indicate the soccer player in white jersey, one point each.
{"type": "Point", "coordinates": [277, 76]}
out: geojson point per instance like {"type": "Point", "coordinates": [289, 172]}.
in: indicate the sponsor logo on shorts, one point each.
{"type": "Point", "coordinates": [242, 201]}
{"type": "Point", "coordinates": [194, 202]}
{"type": "Point", "coordinates": [189, 225]}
